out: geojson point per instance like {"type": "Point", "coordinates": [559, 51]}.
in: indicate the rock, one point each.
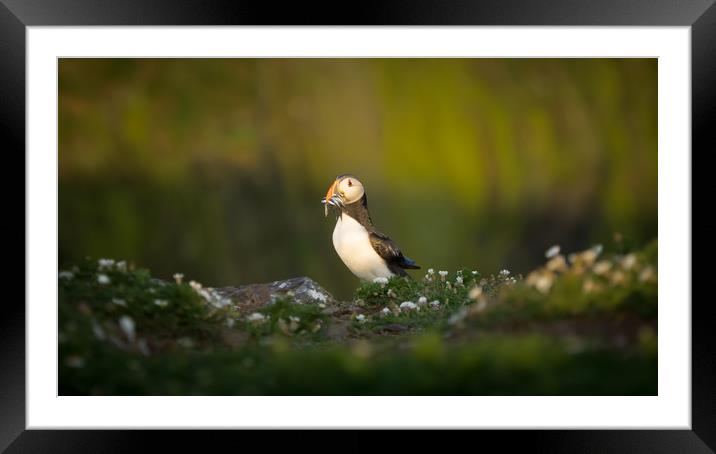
{"type": "Point", "coordinates": [300, 290]}
{"type": "Point", "coordinates": [393, 328]}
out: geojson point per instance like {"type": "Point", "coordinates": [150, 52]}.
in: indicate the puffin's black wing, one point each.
{"type": "Point", "coordinates": [389, 251]}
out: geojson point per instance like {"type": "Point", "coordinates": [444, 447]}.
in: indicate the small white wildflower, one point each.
{"type": "Point", "coordinates": [557, 264]}
{"type": "Point", "coordinates": [475, 293]}
{"type": "Point", "coordinates": [380, 280]}
{"type": "Point", "coordinates": [552, 252]}
{"type": "Point", "coordinates": [628, 261]}
{"type": "Point", "coordinates": [409, 306]}
{"type": "Point", "coordinates": [386, 311]}
{"type": "Point", "coordinates": [185, 342]}
{"type": "Point", "coordinates": [256, 317]}
{"type": "Point", "coordinates": [505, 273]}
{"type": "Point", "coordinates": [648, 274]}
{"type": "Point", "coordinates": [431, 271]}
{"type": "Point", "coordinates": [121, 266]}
{"type": "Point", "coordinates": [443, 273]}
{"type": "Point", "coordinates": [65, 275]}
{"type": "Point", "coordinates": [127, 325]}
{"type": "Point", "coordinates": [161, 303]}
{"type": "Point", "coordinates": [321, 305]}
{"type": "Point", "coordinates": [543, 282]}
{"type": "Point", "coordinates": [119, 302]}
{"type": "Point", "coordinates": [143, 347]}
{"type": "Point", "coordinates": [457, 316]}
{"type": "Point", "coordinates": [178, 277]}
{"type": "Point", "coordinates": [360, 318]}
{"type": "Point", "coordinates": [98, 330]}
{"type": "Point", "coordinates": [422, 301]}
{"type": "Point", "coordinates": [602, 267]}
{"type": "Point", "coordinates": [103, 279]}
{"type": "Point", "coordinates": [105, 263]}
{"type": "Point", "coordinates": [474, 273]}
{"type": "Point", "coordinates": [435, 303]}
{"type": "Point", "coordinates": [195, 285]}
{"type": "Point", "coordinates": [458, 280]}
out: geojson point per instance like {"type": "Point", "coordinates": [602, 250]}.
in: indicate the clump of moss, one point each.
{"type": "Point", "coordinates": [288, 318]}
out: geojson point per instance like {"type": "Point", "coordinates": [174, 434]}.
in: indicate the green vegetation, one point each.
{"type": "Point", "coordinates": [583, 324]}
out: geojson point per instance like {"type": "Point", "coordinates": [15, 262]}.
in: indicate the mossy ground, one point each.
{"type": "Point", "coordinates": [583, 326]}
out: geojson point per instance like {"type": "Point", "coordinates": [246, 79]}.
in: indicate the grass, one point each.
{"type": "Point", "coordinates": [583, 326]}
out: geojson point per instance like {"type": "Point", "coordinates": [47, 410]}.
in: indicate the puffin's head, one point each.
{"type": "Point", "coordinates": [346, 189]}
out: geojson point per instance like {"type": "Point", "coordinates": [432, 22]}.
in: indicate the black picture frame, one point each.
{"type": "Point", "coordinates": [700, 15]}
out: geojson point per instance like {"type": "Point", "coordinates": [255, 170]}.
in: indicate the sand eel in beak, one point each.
{"type": "Point", "coordinates": [366, 252]}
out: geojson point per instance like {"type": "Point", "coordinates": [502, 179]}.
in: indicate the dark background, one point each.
{"type": "Point", "coordinates": [216, 167]}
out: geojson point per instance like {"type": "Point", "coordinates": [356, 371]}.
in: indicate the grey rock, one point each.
{"type": "Point", "coordinates": [301, 290]}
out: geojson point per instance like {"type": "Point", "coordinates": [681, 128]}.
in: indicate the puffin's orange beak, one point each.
{"type": "Point", "coordinates": [329, 197]}
{"type": "Point", "coordinates": [329, 194]}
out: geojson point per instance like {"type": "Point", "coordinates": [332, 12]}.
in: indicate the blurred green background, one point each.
{"type": "Point", "coordinates": [216, 167]}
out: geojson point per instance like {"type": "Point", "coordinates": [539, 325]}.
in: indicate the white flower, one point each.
{"type": "Point", "coordinates": [474, 273]}
{"type": "Point", "coordinates": [97, 330]}
{"type": "Point", "coordinates": [103, 279]}
{"type": "Point", "coordinates": [431, 271]}
{"type": "Point", "coordinates": [381, 280]}
{"type": "Point", "coordinates": [409, 306]}
{"type": "Point", "coordinates": [119, 302]}
{"type": "Point", "coordinates": [443, 273]}
{"type": "Point", "coordinates": [422, 300]}
{"type": "Point", "coordinates": [386, 311]}
{"type": "Point", "coordinates": [475, 293]}
{"type": "Point", "coordinates": [648, 274]}
{"type": "Point", "coordinates": [178, 277]}
{"type": "Point", "coordinates": [457, 316]}
{"type": "Point", "coordinates": [628, 261]}
{"type": "Point", "coordinates": [505, 273]}
{"type": "Point", "coordinates": [458, 280]}
{"type": "Point", "coordinates": [121, 266]}
{"type": "Point", "coordinates": [321, 305]}
{"type": "Point", "coordinates": [360, 318]}
{"type": "Point", "coordinates": [552, 252]}
{"type": "Point", "coordinates": [105, 263]}
{"type": "Point", "coordinates": [185, 342]}
{"type": "Point", "coordinates": [127, 325]}
{"type": "Point", "coordinates": [161, 303]}
{"type": "Point", "coordinates": [435, 303]}
{"type": "Point", "coordinates": [195, 285]}
{"type": "Point", "coordinates": [65, 275]}
{"type": "Point", "coordinates": [602, 268]}
{"type": "Point", "coordinates": [256, 317]}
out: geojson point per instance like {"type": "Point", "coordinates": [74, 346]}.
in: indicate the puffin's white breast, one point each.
{"type": "Point", "coordinates": [352, 244]}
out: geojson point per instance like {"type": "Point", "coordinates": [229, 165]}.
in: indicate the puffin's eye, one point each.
{"type": "Point", "coordinates": [350, 183]}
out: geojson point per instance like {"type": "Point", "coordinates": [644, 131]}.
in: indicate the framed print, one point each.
{"type": "Point", "coordinates": [199, 237]}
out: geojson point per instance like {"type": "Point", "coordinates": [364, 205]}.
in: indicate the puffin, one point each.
{"type": "Point", "coordinates": [368, 253]}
